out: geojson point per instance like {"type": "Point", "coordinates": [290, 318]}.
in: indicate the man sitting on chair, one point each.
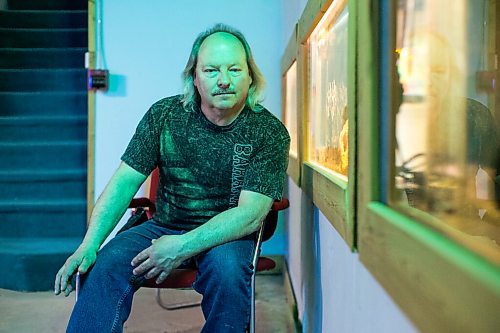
{"type": "Point", "coordinates": [222, 159]}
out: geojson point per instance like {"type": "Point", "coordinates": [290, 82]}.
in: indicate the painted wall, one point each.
{"type": "Point", "coordinates": [146, 46]}
{"type": "Point", "coordinates": [334, 291]}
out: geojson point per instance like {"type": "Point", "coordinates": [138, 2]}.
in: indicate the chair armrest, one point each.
{"type": "Point", "coordinates": [271, 219]}
{"type": "Point", "coordinates": [141, 202]}
{"type": "Point", "coordinates": [280, 204]}
{"type": "Point", "coordinates": [142, 210]}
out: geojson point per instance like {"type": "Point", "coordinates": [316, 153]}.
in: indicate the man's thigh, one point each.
{"type": "Point", "coordinates": [232, 258]}
{"type": "Point", "coordinates": [117, 254]}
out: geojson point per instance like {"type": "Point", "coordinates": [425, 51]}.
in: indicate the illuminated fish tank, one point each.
{"type": "Point", "coordinates": [446, 150]}
{"type": "Point", "coordinates": [327, 117]}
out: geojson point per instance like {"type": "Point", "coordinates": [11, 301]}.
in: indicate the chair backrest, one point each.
{"type": "Point", "coordinates": [153, 184]}
{"type": "Point", "coordinates": [146, 205]}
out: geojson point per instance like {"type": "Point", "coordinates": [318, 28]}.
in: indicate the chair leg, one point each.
{"type": "Point", "coordinates": [255, 261]}
{"type": "Point", "coordinates": [77, 286]}
{"type": "Point", "coordinates": [252, 308]}
{"type": "Point", "coordinates": [174, 306]}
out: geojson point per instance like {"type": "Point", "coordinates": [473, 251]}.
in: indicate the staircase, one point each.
{"type": "Point", "coordinates": [43, 138]}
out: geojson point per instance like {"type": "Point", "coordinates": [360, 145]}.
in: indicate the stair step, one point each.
{"type": "Point", "coordinates": [37, 222]}
{"type": "Point", "coordinates": [43, 218]}
{"type": "Point", "coordinates": [32, 175]}
{"type": "Point", "coordinates": [47, 205]}
{"type": "Point", "coordinates": [43, 19]}
{"type": "Point", "coordinates": [47, 4]}
{"type": "Point", "coordinates": [31, 264]}
{"type": "Point", "coordinates": [37, 174]}
{"type": "Point", "coordinates": [43, 79]}
{"type": "Point", "coordinates": [48, 128]}
{"type": "Point", "coordinates": [56, 185]}
{"type": "Point", "coordinates": [43, 37]}
{"type": "Point", "coordinates": [42, 58]}
{"type": "Point", "coordinates": [43, 155]}
{"type": "Point", "coordinates": [36, 245]}
{"type": "Point", "coordinates": [39, 103]}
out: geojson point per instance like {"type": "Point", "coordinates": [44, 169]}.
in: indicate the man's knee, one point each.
{"type": "Point", "coordinates": [227, 272]}
{"type": "Point", "coordinates": [111, 254]}
{"type": "Point", "coordinates": [113, 260]}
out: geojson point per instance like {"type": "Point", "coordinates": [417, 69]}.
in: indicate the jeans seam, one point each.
{"type": "Point", "coordinates": [118, 307]}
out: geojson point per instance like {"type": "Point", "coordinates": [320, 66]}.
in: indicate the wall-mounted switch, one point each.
{"type": "Point", "coordinates": [98, 79]}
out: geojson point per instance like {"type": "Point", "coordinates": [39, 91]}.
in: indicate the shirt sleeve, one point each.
{"type": "Point", "coordinates": [143, 150]}
{"type": "Point", "coordinates": [267, 170]}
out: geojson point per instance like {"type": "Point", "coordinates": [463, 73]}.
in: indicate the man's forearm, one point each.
{"type": "Point", "coordinates": [111, 205]}
{"type": "Point", "coordinates": [229, 225]}
{"type": "Point", "coordinates": [105, 216]}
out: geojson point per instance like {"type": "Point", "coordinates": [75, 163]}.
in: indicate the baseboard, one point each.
{"type": "Point", "coordinates": [282, 268]}
{"type": "Point", "coordinates": [290, 297]}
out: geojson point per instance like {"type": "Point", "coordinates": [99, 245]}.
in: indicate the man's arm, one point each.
{"type": "Point", "coordinates": [108, 211]}
{"type": "Point", "coordinates": [168, 252]}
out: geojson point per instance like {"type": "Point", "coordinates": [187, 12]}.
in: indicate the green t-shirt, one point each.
{"type": "Point", "coordinates": [203, 167]}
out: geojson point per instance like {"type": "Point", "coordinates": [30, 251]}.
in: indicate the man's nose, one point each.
{"type": "Point", "coordinates": [223, 81]}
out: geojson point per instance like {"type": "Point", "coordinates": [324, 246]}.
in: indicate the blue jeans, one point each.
{"type": "Point", "coordinates": [105, 299]}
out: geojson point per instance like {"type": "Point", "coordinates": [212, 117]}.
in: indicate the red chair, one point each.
{"type": "Point", "coordinates": [144, 208]}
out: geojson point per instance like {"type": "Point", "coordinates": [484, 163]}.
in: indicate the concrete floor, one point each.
{"type": "Point", "coordinates": [42, 312]}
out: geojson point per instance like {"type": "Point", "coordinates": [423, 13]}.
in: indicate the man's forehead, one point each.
{"type": "Point", "coordinates": [220, 40]}
{"type": "Point", "coordinates": [221, 36]}
{"type": "Point", "coordinates": [222, 47]}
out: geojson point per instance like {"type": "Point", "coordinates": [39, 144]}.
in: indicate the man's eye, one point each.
{"type": "Point", "coordinates": [235, 70]}
{"type": "Point", "coordinates": [209, 70]}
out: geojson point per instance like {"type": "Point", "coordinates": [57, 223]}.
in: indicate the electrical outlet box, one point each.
{"type": "Point", "coordinates": [98, 79]}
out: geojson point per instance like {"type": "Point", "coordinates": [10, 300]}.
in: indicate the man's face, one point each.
{"type": "Point", "coordinates": [222, 76]}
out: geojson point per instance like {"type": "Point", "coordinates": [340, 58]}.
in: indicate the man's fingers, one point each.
{"type": "Point", "coordinates": [84, 266]}
{"type": "Point", "coordinates": [67, 273]}
{"type": "Point", "coordinates": [140, 257]}
{"type": "Point", "coordinates": [161, 278]}
{"type": "Point", "coordinates": [142, 268]}
{"type": "Point", "coordinates": [152, 273]}
{"type": "Point", "coordinates": [68, 290]}
{"type": "Point", "coordinates": [57, 283]}
{"type": "Point", "coordinates": [64, 280]}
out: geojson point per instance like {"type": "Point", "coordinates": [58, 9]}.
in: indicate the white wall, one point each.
{"type": "Point", "coordinates": [146, 46]}
{"type": "Point", "coordinates": [334, 291]}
